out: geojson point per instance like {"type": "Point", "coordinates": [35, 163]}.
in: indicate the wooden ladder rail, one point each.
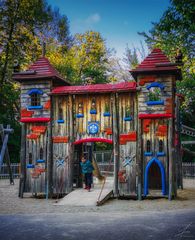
{"type": "Point", "coordinates": [103, 184]}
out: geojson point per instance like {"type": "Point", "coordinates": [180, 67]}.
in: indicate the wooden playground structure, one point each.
{"type": "Point", "coordinates": [140, 119]}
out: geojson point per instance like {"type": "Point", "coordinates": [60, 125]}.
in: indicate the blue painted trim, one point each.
{"type": "Point", "coordinates": [79, 115]}
{"type": "Point", "coordinates": [161, 102]}
{"type": "Point", "coordinates": [30, 166]}
{"type": "Point", "coordinates": [107, 114]}
{"type": "Point", "coordinates": [34, 107]}
{"type": "Point", "coordinates": [40, 161]}
{"type": "Point", "coordinates": [146, 154]}
{"type": "Point", "coordinates": [34, 90]}
{"type": "Point", "coordinates": [93, 111]}
{"type": "Point", "coordinates": [160, 154]}
{"type": "Point", "coordinates": [156, 84]}
{"type": "Point", "coordinates": [60, 121]}
{"type": "Point", "coordinates": [162, 170]}
{"type": "Point", "coordinates": [126, 119]}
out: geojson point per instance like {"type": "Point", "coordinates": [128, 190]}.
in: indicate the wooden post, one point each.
{"type": "Point", "coordinates": [71, 140]}
{"type": "Point", "coordinates": [49, 181]}
{"type": "Point", "coordinates": [22, 162]}
{"type": "Point", "coordinates": [170, 147]}
{"type": "Point", "coordinates": [179, 157]}
{"type": "Point", "coordinates": [139, 160]}
{"type": "Point", "coordinates": [115, 143]}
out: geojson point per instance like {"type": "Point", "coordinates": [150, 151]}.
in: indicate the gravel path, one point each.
{"type": "Point", "coordinates": [11, 204]}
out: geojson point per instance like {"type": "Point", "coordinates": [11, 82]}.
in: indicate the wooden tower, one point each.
{"type": "Point", "coordinates": [36, 84]}
{"type": "Point", "coordinates": [156, 77]}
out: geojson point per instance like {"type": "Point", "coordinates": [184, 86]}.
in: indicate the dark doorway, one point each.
{"type": "Point", "coordinates": [154, 177]}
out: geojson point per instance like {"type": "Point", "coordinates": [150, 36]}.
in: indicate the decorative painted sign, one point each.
{"type": "Point", "coordinates": [60, 163]}
{"type": "Point", "coordinates": [128, 160]}
{"type": "Point", "coordinates": [147, 80]}
{"type": "Point", "coordinates": [93, 127]}
{"type": "Point", "coordinates": [108, 131]}
{"type": "Point", "coordinates": [60, 139]}
{"type": "Point", "coordinates": [39, 129]}
{"type": "Point", "coordinates": [47, 105]}
{"type": "Point", "coordinates": [26, 113]}
{"type": "Point", "coordinates": [129, 137]}
{"type": "Point", "coordinates": [161, 131]}
{"type": "Point", "coordinates": [33, 136]}
{"type": "Point", "coordinates": [146, 125]}
{"type": "Point", "coordinates": [169, 106]}
{"type": "Point", "coordinates": [122, 176]}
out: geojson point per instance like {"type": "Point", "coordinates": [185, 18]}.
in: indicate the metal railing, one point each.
{"type": "Point", "coordinates": [188, 169]}
{"type": "Point", "coordinates": [4, 172]}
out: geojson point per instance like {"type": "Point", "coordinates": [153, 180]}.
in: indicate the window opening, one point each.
{"type": "Point", "coordinates": [35, 99]}
{"type": "Point", "coordinates": [160, 145]}
{"type": "Point", "coordinates": [30, 158]}
{"type": "Point", "coordinates": [148, 146]}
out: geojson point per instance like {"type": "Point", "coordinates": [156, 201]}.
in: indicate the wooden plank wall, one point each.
{"type": "Point", "coordinates": [127, 170]}
{"type": "Point", "coordinates": [81, 124]}
{"type": "Point", "coordinates": [25, 99]}
{"type": "Point", "coordinates": [154, 139]}
{"type": "Point", "coordinates": [61, 136]}
{"type": "Point", "coordinates": [166, 80]}
{"type": "Point", "coordinates": [35, 180]}
{"type": "Point", "coordinates": [168, 96]}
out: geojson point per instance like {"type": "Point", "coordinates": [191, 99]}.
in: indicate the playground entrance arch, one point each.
{"type": "Point", "coordinates": [85, 147]}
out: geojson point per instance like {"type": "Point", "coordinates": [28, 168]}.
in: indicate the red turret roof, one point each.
{"type": "Point", "coordinates": [42, 68]}
{"type": "Point", "coordinates": [156, 61]}
{"type": "Point", "coordinates": [96, 88]}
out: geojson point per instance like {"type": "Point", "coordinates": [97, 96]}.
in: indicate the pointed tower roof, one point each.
{"type": "Point", "coordinates": [41, 69]}
{"type": "Point", "coordinates": [156, 62]}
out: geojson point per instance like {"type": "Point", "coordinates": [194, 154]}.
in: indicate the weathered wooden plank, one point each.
{"type": "Point", "coordinates": [115, 142]}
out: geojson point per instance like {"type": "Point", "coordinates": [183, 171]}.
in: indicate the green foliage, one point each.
{"type": "Point", "coordinates": [176, 30]}
{"type": "Point", "coordinates": [86, 58]}
{"type": "Point", "coordinates": [23, 26]}
{"type": "Point", "coordinates": [154, 95]}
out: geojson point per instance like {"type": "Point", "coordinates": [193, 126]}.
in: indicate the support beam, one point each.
{"type": "Point", "coordinates": [139, 161]}
{"type": "Point", "coordinates": [115, 143]}
{"type": "Point", "coordinates": [49, 179]}
{"type": "Point", "coordinates": [71, 141]}
{"type": "Point", "coordinates": [170, 150]}
{"type": "Point", "coordinates": [22, 161]}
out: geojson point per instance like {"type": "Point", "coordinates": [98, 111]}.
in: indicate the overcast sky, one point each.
{"type": "Point", "coordinates": [118, 21]}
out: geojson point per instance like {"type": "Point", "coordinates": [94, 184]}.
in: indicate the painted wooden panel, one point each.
{"type": "Point", "coordinates": [36, 152]}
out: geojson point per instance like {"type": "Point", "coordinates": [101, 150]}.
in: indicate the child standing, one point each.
{"type": "Point", "coordinates": [87, 170]}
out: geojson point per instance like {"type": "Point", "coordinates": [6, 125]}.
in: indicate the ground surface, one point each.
{"type": "Point", "coordinates": [160, 219]}
{"type": "Point", "coordinates": [11, 204]}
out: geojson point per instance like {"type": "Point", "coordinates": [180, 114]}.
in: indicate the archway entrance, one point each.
{"type": "Point", "coordinates": [99, 152]}
{"type": "Point", "coordinates": [154, 177]}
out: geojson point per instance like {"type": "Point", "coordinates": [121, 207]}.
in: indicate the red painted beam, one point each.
{"type": "Point", "coordinates": [93, 140]}
{"type": "Point", "coordinates": [33, 120]}
{"type": "Point", "coordinates": [162, 115]}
